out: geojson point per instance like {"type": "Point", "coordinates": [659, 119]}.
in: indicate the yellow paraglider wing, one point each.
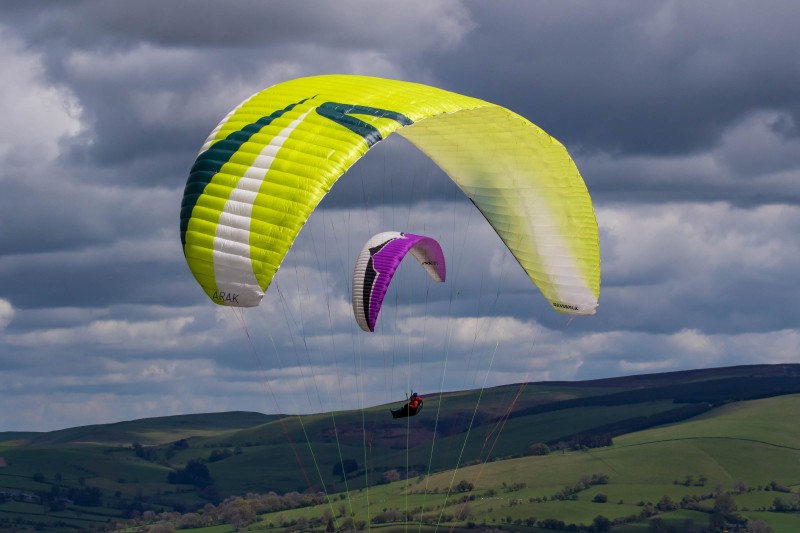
{"type": "Point", "coordinates": [268, 164]}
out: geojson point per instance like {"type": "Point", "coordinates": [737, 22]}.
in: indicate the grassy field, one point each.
{"type": "Point", "coordinates": [731, 444]}
{"type": "Point", "coordinates": [770, 421]}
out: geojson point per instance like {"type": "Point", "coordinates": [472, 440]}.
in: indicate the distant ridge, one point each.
{"type": "Point", "coordinates": [670, 377]}
{"type": "Point", "coordinates": [140, 430]}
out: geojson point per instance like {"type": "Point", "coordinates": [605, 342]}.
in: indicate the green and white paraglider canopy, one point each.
{"type": "Point", "coordinates": [266, 166]}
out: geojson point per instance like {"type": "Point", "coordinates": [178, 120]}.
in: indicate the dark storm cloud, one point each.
{"type": "Point", "coordinates": [95, 282]}
{"type": "Point", "coordinates": [648, 78]}
{"type": "Point", "coordinates": [751, 165]}
{"type": "Point", "coordinates": [146, 73]}
{"type": "Point", "coordinates": [210, 24]}
{"type": "Point", "coordinates": [147, 110]}
{"type": "Point", "coordinates": [788, 124]}
{"type": "Point", "coordinates": [59, 213]}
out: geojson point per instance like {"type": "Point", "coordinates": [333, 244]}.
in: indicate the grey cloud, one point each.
{"type": "Point", "coordinates": [750, 166]}
{"type": "Point", "coordinates": [71, 280]}
{"type": "Point", "coordinates": [119, 60]}
{"type": "Point", "coordinates": [788, 123]}
{"type": "Point", "coordinates": [657, 78]}
{"type": "Point", "coordinates": [208, 24]}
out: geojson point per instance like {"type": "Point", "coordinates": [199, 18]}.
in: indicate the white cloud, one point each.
{"type": "Point", "coordinates": [6, 313]}
{"type": "Point", "coordinates": [645, 367]}
{"type": "Point", "coordinates": [679, 242]}
{"type": "Point", "coordinates": [636, 353]}
{"type": "Point", "coordinates": [691, 342]}
{"type": "Point", "coordinates": [36, 114]}
{"type": "Point", "coordinates": [126, 335]}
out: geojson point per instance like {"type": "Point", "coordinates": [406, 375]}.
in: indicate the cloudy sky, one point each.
{"type": "Point", "coordinates": [683, 117]}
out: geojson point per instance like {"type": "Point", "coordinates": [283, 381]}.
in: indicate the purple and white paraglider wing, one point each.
{"type": "Point", "coordinates": [377, 263]}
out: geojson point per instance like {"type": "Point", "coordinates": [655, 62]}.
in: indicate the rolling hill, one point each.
{"type": "Point", "coordinates": [718, 424]}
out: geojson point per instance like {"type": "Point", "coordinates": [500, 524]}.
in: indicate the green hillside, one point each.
{"type": "Point", "coordinates": [150, 431]}
{"type": "Point", "coordinates": [670, 432]}
{"type": "Point", "coordinates": [747, 452]}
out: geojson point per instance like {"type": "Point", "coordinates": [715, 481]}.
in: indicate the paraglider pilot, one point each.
{"type": "Point", "coordinates": [411, 408]}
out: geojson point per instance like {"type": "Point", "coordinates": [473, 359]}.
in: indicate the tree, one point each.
{"type": "Point", "coordinates": [195, 473]}
{"type": "Point", "coordinates": [391, 475]}
{"type": "Point", "coordinates": [540, 448]}
{"type": "Point", "coordinates": [148, 453]}
{"type": "Point", "coordinates": [464, 486]}
{"type": "Point", "coordinates": [779, 505]}
{"type": "Point", "coordinates": [600, 479]}
{"type": "Point", "coordinates": [348, 524]}
{"type": "Point", "coordinates": [86, 496]}
{"type": "Point", "coordinates": [666, 504]}
{"type": "Point", "coordinates": [219, 455]}
{"type": "Point", "coordinates": [165, 527]}
{"type": "Point", "coordinates": [778, 487]}
{"type": "Point", "coordinates": [240, 517]}
{"type": "Point", "coordinates": [327, 519]}
{"type": "Point", "coordinates": [759, 526]}
{"type": "Point", "coordinates": [601, 523]}
{"type": "Point", "coordinates": [724, 503]}
{"type": "Point", "coordinates": [600, 498]}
